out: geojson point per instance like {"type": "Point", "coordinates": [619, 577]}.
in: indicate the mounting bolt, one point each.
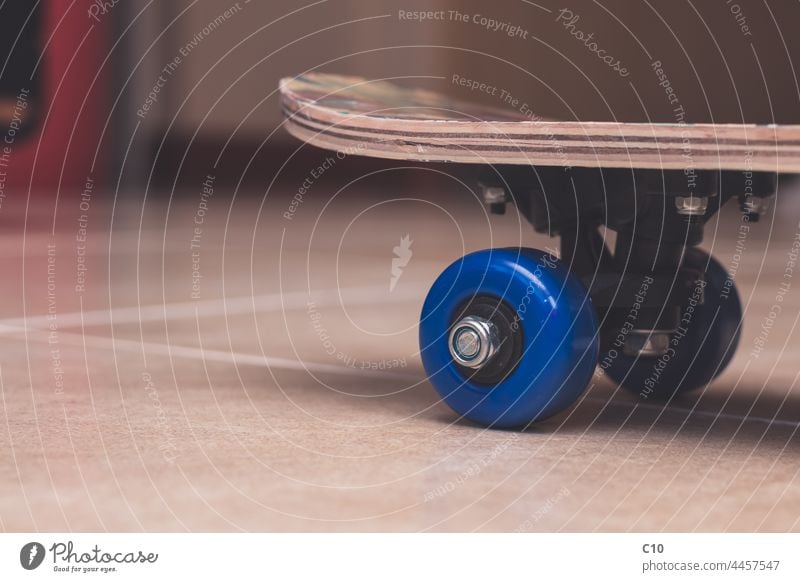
{"type": "Point", "coordinates": [646, 342]}
{"type": "Point", "coordinates": [753, 206]}
{"type": "Point", "coordinates": [691, 205]}
{"type": "Point", "coordinates": [473, 341]}
{"type": "Point", "coordinates": [495, 197]}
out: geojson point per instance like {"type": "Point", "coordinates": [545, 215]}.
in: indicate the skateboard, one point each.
{"type": "Point", "coordinates": [512, 336]}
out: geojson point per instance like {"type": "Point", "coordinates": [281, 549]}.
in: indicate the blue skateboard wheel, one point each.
{"type": "Point", "coordinates": [545, 331]}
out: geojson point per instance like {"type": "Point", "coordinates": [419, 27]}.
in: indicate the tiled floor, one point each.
{"type": "Point", "coordinates": [246, 406]}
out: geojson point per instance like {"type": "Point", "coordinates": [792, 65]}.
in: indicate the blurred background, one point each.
{"type": "Point", "coordinates": [140, 95]}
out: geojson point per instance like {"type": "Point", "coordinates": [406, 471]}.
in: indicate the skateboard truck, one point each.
{"type": "Point", "coordinates": [642, 288]}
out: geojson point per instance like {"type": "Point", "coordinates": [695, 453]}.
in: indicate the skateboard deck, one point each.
{"type": "Point", "coordinates": [384, 120]}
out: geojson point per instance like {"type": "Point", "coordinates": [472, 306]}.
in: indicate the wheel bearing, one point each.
{"type": "Point", "coordinates": [493, 322]}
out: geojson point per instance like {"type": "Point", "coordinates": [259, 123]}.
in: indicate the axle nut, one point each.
{"type": "Point", "coordinates": [473, 341]}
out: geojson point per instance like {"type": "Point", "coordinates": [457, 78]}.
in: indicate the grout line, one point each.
{"type": "Point", "coordinates": [236, 305]}
{"type": "Point", "coordinates": [695, 412]}
{"type": "Point", "coordinates": [219, 356]}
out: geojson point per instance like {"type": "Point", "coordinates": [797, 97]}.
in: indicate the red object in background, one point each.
{"type": "Point", "coordinates": [71, 107]}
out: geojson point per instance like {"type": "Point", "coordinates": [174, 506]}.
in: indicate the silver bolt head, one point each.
{"type": "Point", "coordinates": [691, 205]}
{"type": "Point", "coordinates": [493, 194]}
{"type": "Point", "coordinates": [473, 341]}
{"type": "Point", "coordinates": [755, 205]}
